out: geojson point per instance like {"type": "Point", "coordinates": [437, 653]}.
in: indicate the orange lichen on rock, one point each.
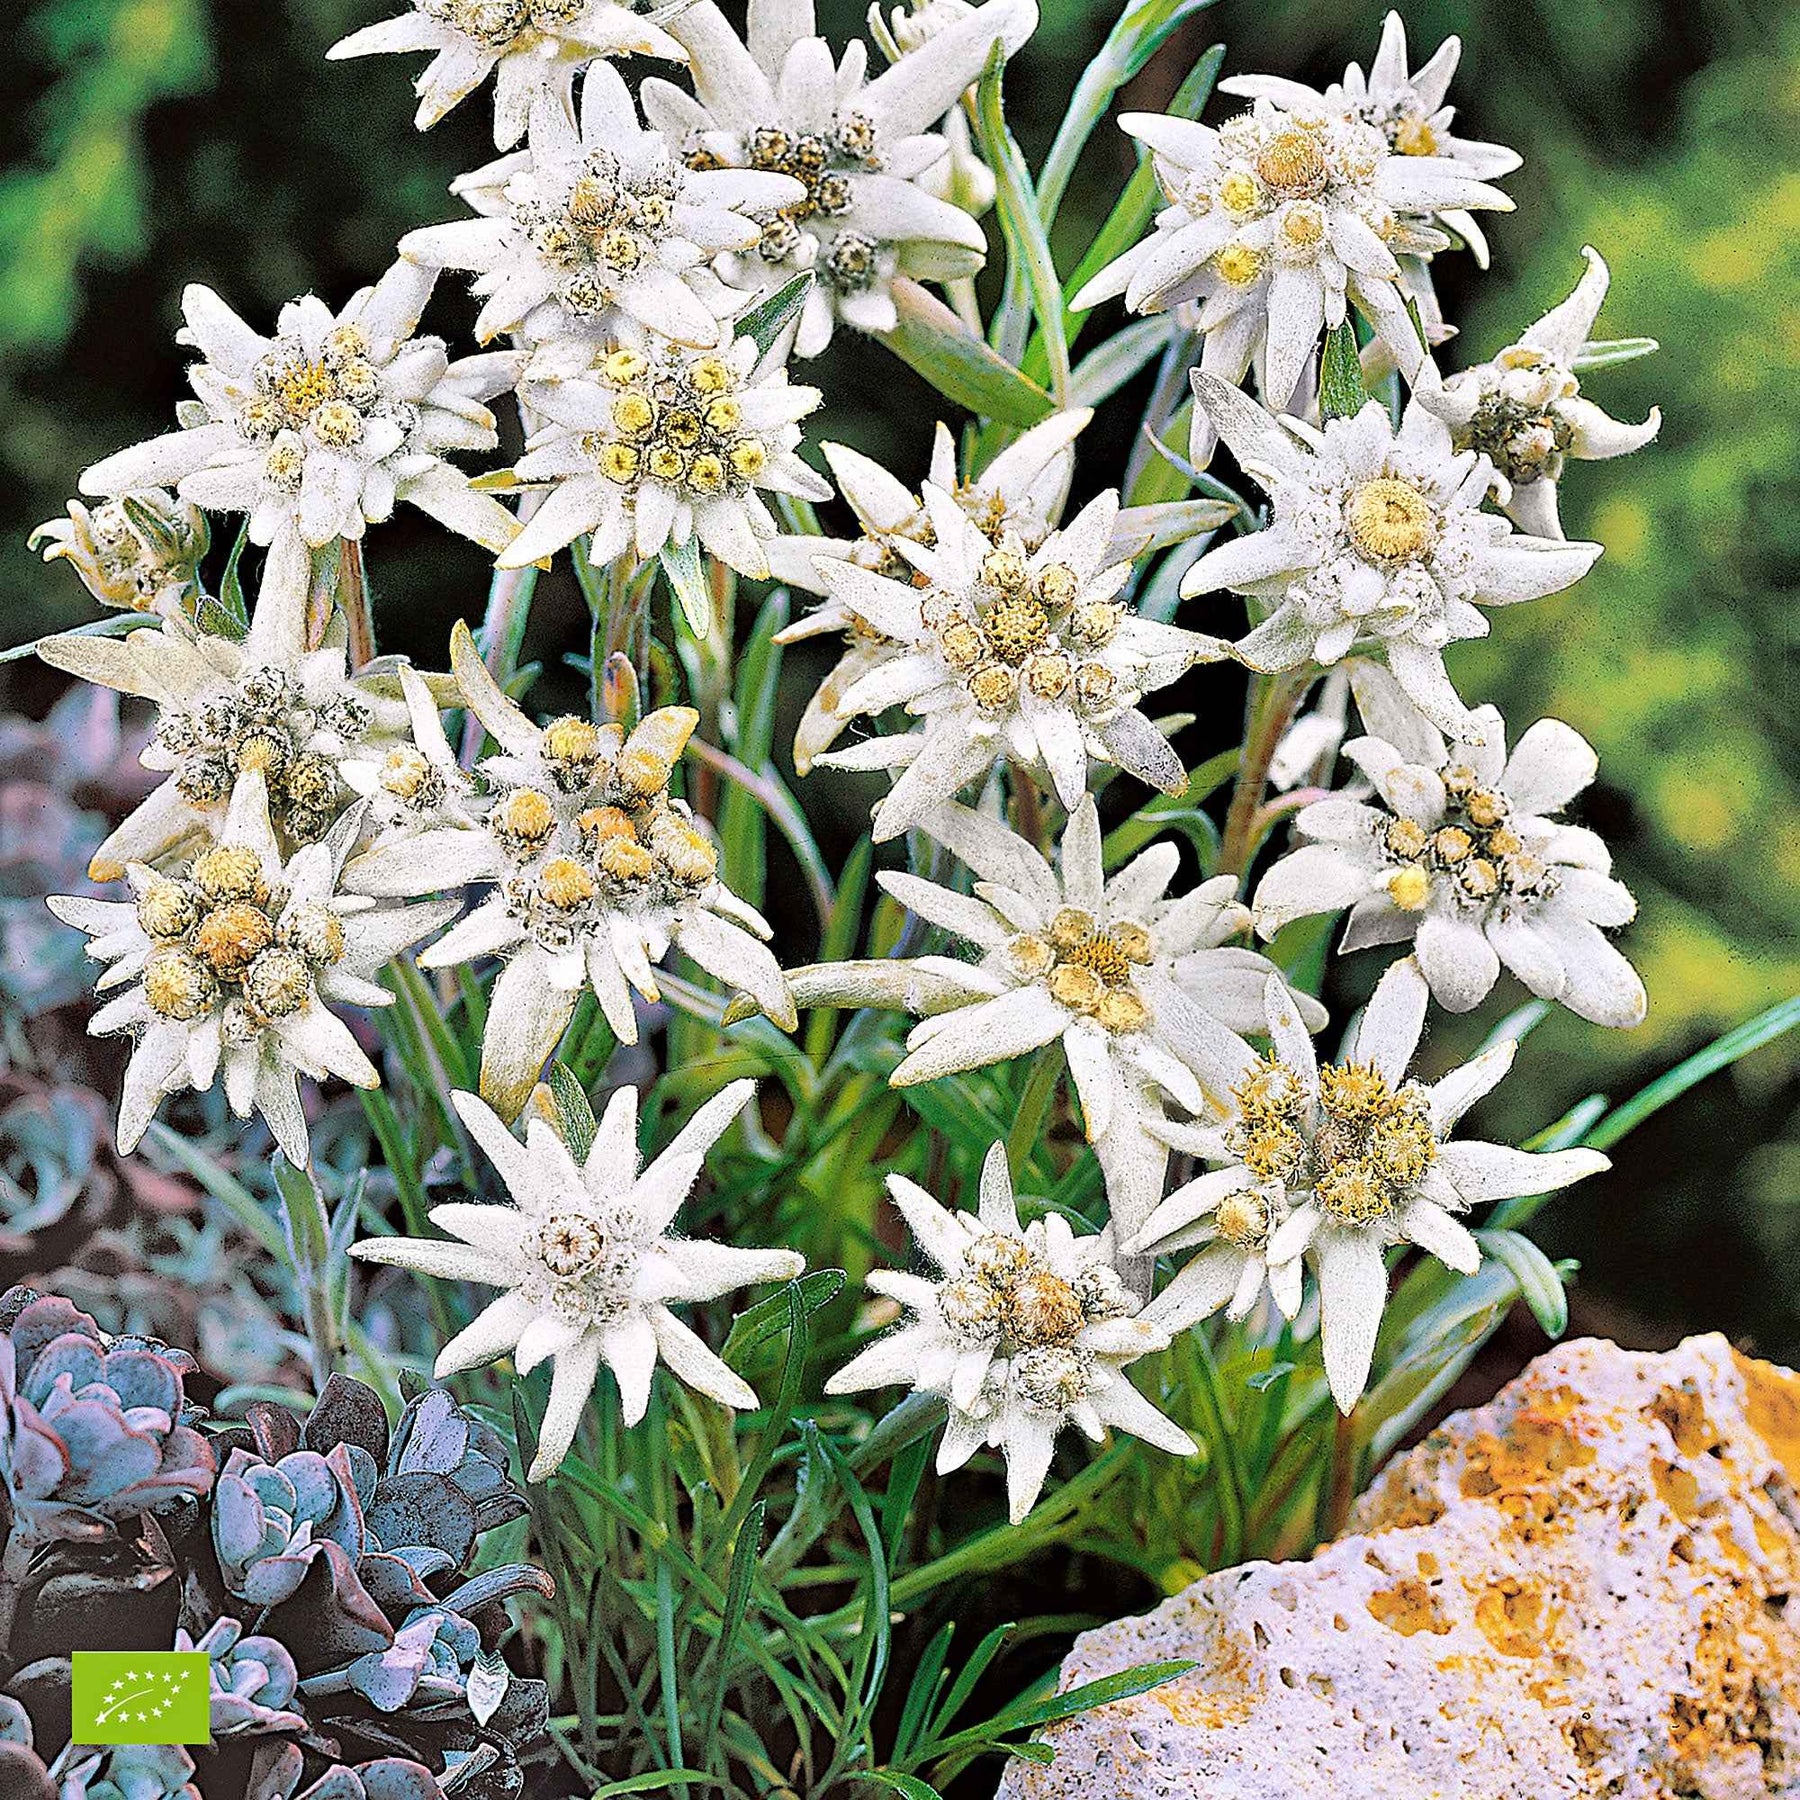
{"type": "Point", "coordinates": [1579, 1589]}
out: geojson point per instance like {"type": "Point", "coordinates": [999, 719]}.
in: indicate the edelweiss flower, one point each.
{"type": "Point", "coordinates": [858, 147]}
{"type": "Point", "coordinates": [1408, 111]}
{"type": "Point", "coordinates": [140, 552]}
{"type": "Point", "coordinates": [1340, 1163]}
{"type": "Point", "coordinates": [659, 445]}
{"type": "Point", "coordinates": [1462, 858]}
{"type": "Point", "coordinates": [1009, 652]}
{"type": "Point", "coordinates": [598, 869]}
{"type": "Point", "coordinates": [232, 961]}
{"type": "Point", "coordinates": [532, 48]}
{"type": "Point", "coordinates": [1377, 540]}
{"type": "Point", "coordinates": [322, 427]}
{"type": "Point", "coordinates": [1026, 1330]}
{"type": "Point", "coordinates": [1144, 993]}
{"type": "Point", "coordinates": [588, 1264]}
{"type": "Point", "coordinates": [592, 225]}
{"type": "Point", "coordinates": [224, 709]}
{"type": "Point", "coordinates": [1022, 491]}
{"type": "Point", "coordinates": [1273, 223]}
{"type": "Point", "coordinates": [1525, 412]}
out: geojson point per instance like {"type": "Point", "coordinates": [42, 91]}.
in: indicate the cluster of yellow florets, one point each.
{"type": "Point", "coordinates": [496, 24]}
{"type": "Point", "coordinates": [1007, 1297]}
{"type": "Point", "coordinates": [603, 828]}
{"type": "Point", "coordinates": [330, 395]}
{"type": "Point", "coordinates": [263, 723]}
{"type": "Point", "coordinates": [1287, 167]}
{"type": "Point", "coordinates": [1372, 1147]}
{"type": "Point", "coordinates": [603, 230]}
{"type": "Point", "coordinates": [1017, 628]}
{"type": "Point", "coordinates": [1474, 851]}
{"type": "Point", "coordinates": [1266, 1136]}
{"type": "Point", "coordinates": [676, 421]}
{"type": "Point", "coordinates": [1390, 521]}
{"type": "Point", "coordinates": [822, 162]}
{"type": "Point", "coordinates": [222, 942]}
{"type": "Point", "coordinates": [1088, 967]}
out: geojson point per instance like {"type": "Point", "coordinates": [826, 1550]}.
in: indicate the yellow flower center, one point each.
{"type": "Point", "coordinates": [1415, 137]}
{"type": "Point", "coordinates": [1292, 164]}
{"type": "Point", "coordinates": [1390, 521]}
{"type": "Point", "coordinates": [1239, 264]}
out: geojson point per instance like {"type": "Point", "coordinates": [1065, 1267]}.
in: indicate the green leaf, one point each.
{"type": "Point", "coordinates": [1030, 267]}
{"type": "Point", "coordinates": [930, 338]}
{"type": "Point", "coordinates": [909, 1785]}
{"type": "Point", "coordinates": [769, 1318]}
{"type": "Point", "coordinates": [741, 816]}
{"type": "Point", "coordinates": [1175, 812]}
{"type": "Point", "coordinates": [1341, 391]}
{"type": "Point", "coordinates": [687, 577]}
{"type": "Point", "coordinates": [1030, 1715]}
{"type": "Point", "coordinates": [1131, 216]}
{"type": "Point", "coordinates": [117, 625]}
{"type": "Point", "coordinates": [1540, 1282]}
{"type": "Point", "coordinates": [1721, 1053]}
{"type": "Point", "coordinates": [1602, 353]}
{"type": "Point", "coordinates": [231, 583]}
{"type": "Point", "coordinates": [575, 1121]}
{"type": "Point", "coordinates": [770, 317]}
{"type": "Point", "coordinates": [652, 1780]}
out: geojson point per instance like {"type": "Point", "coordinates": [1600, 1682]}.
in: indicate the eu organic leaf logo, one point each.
{"type": "Point", "coordinates": [141, 1697]}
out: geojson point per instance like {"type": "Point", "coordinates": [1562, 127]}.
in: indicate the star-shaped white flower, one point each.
{"type": "Point", "coordinates": [1337, 1165]}
{"type": "Point", "coordinates": [1407, 109]}
{"type": "Point", "coordinates": [781, 103]}
{"type": "Point", "coordinates": [233, 963]}
{"type": "Point", "coordinates": [1526, 413]}
{"type": "Point", "coordinates": [658, 445]}
{"type": "Point", "coordinates": [1460, 853]}
{"type": "Point", "coordinates": [532, 48]}
{"type": "Point", "coordinates": [599, 223]}
{"type": "Point", "coordinates": [597, 871]}
{"type": "Point", "coordinates": [1009, 653]}
{"type": "Point", "coordinates": [1025, 1331]}
{"type": "Point", "coordinates": [318, 430]}
{"type": "Point", "coordinates": [1145, 994]}
{"type": "Point", "coordinates": [588, 1262]}
{"type": "Point", "coordinates": [1377, 540]}
{"type": "Point", "coordinates": [1022, 491]}
{"type": "Point", "coordinates": [224, 708]}
{"type": "Point", "coordinates": [1019, 495]}
{"type": "Point", "coordinates": [1275, 224]}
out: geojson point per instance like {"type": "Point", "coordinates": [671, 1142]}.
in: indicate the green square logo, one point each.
{"type": "Point", "coordinates": [141, 1697]}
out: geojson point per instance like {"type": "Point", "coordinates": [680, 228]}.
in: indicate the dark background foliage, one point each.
{"type": "Point", "coordinates": [154, 142]}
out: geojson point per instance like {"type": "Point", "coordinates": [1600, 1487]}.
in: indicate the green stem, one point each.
{"type": "Point", "coordinates": [1272, 704]}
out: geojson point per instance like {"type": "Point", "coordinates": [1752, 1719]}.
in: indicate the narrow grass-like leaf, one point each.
{"type": "Point", "coordinates": [1540, 1284]}
{"type": "Point", "coordinates": [930, 338]}
{"type": "Point", "coordinates": [1030, 268]}
{"type": "Point", "coordinates": [764, 322]}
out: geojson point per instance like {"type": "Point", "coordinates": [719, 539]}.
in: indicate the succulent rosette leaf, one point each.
{"type": "Point", "coordinates": [95, 1433]}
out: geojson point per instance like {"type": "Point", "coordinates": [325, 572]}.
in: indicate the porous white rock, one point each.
{"type": "Point", "coordinates": [1580, 1589]}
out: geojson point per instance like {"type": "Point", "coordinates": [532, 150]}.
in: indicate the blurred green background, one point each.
{"type": "Point", "coordinates": [155, 142]}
